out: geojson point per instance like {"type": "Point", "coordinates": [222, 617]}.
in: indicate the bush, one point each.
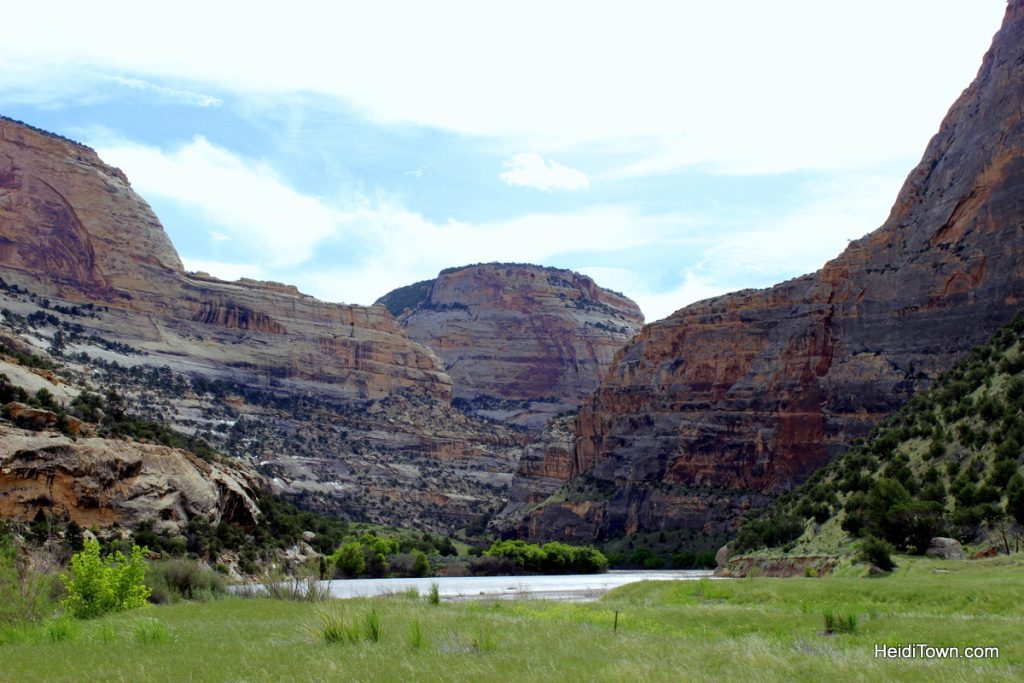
{"type": "Point", "coordinates": [877, 552]}
{"type": "Point", "coordinates": [98, 585]}
{"type": "Point", "coordinates": [420, 563]}
{"type": "Point", "coordinates": [180, 579]}
{"type": "Point", "coordinates": [299, 589]}
{"type": "Point", "coordinates": [551, 558]}
{"type": "Point", "coordinates": [349, 559]}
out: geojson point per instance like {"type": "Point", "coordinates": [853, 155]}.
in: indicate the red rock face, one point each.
{"type": "Point", "coordinates": [71, 227]}
{"type": "Point", "coordinates": [537, 337]}
{"type": "Point", "coordinates": [750, 392]}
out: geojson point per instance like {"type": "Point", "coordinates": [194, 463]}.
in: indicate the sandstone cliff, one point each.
{"type": "Point", "coordinates": [520, 342]}
{"type": "Point", "coordinates": [732, 399]}
{"type": "Point", "coordinates": [71, 227]}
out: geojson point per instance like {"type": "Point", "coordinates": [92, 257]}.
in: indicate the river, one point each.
{"type": "Point", "coordinates": [566, 587]}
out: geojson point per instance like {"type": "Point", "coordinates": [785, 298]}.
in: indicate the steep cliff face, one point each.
{"type": "Point", "coordinates": [71, 227]}
{"type": "Point", "coordinates": [520, 342]}
{"type": "Point", "coordinates": [731, 399]}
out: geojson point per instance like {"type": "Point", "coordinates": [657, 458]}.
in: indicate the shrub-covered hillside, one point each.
{"type": "Point", "coordinates": [947, 464]}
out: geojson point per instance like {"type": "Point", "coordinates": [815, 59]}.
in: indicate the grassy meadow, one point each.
{"type": "Point", "coordinates": [756, 629]}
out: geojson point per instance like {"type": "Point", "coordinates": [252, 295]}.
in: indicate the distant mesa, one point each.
{"type": "Point", "coordinates": [521, 342]}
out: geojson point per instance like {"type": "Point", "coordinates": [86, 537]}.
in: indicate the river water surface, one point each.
{"type": "Point", "coordinates": [568, 587]}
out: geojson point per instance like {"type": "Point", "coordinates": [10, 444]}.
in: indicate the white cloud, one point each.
{"type": "Point", "coordinates": [356, 247]}
{"type": "Point", "coordinates": [245, 199]}
{"type": "Point", "coordinates": [532, 170]}
{"type": "Point", "coordinates": [743, 85]}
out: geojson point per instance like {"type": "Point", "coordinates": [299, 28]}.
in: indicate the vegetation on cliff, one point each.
{"type": "Point", "coordinates": [949, 463]}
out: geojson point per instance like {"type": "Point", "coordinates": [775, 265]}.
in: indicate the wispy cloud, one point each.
{"type": "Point", "coordinates": [184, 96]}
{"type": "Point", "coordinates": [532, 170]}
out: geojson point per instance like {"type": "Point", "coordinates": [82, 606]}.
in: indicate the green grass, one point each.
{"type": "Point", "coordinates": [745, 629]}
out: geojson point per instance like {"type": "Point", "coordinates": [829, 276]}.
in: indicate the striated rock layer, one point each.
{"type": "Point", "coordinates": [735, 398]}
{"type": "Point", "coordinates": [520, 342]}
{"type": "Point", "coordinates": [71, 227]}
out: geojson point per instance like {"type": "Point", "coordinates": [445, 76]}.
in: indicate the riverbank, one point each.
{"type": "Point", "coordinates": [746, 629]}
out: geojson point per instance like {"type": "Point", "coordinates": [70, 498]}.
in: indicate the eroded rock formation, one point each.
{"type": "Point", "coordinates": [740, 397]}
{"type": "Point", "coordinates": [102, 482]}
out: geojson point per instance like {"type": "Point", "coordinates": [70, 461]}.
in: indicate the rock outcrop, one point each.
{"type": "Point", "coordinates": [103, 482]}
{"type": "Point", "coordinates": [740, 397]}
{"type": "Point", "coordinates": [945, 549]}
{"type": "Point", "coordinates": [520, 342]}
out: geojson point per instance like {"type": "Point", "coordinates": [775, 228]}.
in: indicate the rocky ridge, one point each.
{"type": "Point", "coordinates": [735, 399]}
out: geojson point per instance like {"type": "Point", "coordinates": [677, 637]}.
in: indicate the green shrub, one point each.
{"type": "Point", "coordinates": [98, 585]}
{"type": "Point", "coordinates": [181, 579]}
{"type": "Point", "coordinates": [1015, 497]}
{"type": "Point", "coordinates": [877, 552]}
{"type": "Point", "coordinates": [434, 596]}
{"type": "Point", "coordinates": [349, 559]}
{"type": "Point", "coordinates": [550, 558]}
{"type": "Point", "coordinates": [420, 563]}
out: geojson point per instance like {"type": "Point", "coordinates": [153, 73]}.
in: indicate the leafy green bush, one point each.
{"type": "Point", "coordinates": [98, 585]}
{"type": "Point", "coordinates": [348, 559]}
{"type": "Point", "coordinates": [420, 563]}
{"type": "Point", "coordinates": [877, 552]}
{"type": "Point", "coordinates": [551, 558]}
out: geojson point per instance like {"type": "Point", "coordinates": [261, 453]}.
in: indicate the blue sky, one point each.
{"type": "Point", "coordinates": [672, 150]}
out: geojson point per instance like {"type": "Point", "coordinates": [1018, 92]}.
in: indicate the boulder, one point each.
{"type": "Point", "coordinates": [722, 556]}
{"type": "Point", "coordinates": [945, 549]}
